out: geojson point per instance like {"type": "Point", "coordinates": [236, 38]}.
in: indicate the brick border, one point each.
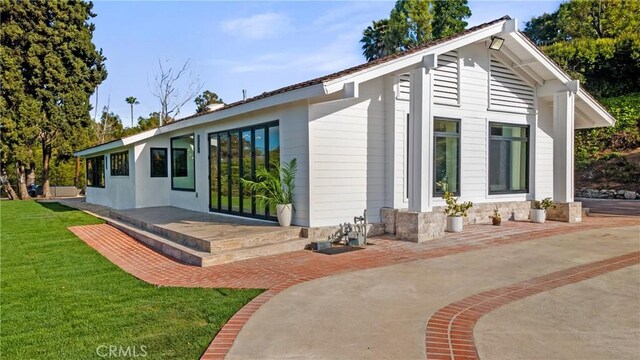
{"type": "Point", "coordinates": [449, 332]}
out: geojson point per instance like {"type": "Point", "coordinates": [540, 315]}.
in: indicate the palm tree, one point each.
{"type": "Point", "coordinates": [131, 101]}
{"type": "Point", "coordinates": [373, 40]}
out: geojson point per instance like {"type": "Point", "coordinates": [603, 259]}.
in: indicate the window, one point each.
{"type": "Point", "coordinates": [508, 158]}
{"type": "Point", "coordinates": [95, 171]}
{"type": "Point", "coordinates": [158, 162]}
{"type": "Point", "coordinates": [446, 156]}
{"type": "Point", "coordinates": [236, 154]}
{"type": "Point", "coordinates": [183, 169]}
{"type": "Point", "coordinates": [120, 164]}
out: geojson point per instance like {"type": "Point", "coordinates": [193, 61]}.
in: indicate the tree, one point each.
{"type": "Point", "coordinates": [166, 82]}
{"type": "Point", "coordinates": [373, 40]}
{"type": "Point", "coordinates": [580, 19]}
{"type": "Point", "coordinates": [412, 23]}
{"type": "Point", "coordinates": [50, 67]}
{"type": "Point", "coordinates": [132, 101]}
{"type": "Point", "coordinates": [110, 127]}
{"type": "Point", "coordinates": [207, 98]}
{"type": "Point", "coordinates": [448, 17]}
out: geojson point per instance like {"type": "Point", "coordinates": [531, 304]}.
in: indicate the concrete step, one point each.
{"type": "Point", "coordinates": [174, 250]}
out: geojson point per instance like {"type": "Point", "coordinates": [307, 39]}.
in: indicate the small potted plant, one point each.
{"type": "Point", "coordinates": [496, 218]}
{"type": "Point", "coordinates": [539, 210]}
{"type": "Point", "coordinates": [455, 212]}
{"type": "Point", "coordinates": [274, 187]}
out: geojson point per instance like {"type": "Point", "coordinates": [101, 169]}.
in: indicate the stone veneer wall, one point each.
{"type": "Point", "coordinates": [418, 227]}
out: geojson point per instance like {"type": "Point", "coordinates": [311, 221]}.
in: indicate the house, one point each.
{"type": "Point", "coordinates": [493, 124]}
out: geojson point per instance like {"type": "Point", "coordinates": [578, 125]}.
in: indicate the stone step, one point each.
{"type": "Point", "coordinates": [200, 258]}
{"type": "Point", "coordinates": [281, 247]}
{"type": "Point", "coordinates": [225, 243]}
{"type": "Point", "coordinates": [174, 250]}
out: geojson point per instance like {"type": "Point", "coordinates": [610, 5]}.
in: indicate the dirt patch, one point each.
{"type": "Point", "coordinates": [612, 171]}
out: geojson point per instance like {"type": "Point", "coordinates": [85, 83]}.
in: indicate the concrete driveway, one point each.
{"type": "Point", "coordinates": [382, 313]}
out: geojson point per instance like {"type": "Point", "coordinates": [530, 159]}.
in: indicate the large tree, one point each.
{"type": "Point", "coordinates": [207, 98]}
{"type": "Point", "coordinates": [411, 23]}
{"type": "Point", "coordinates": [174, 87]}
{"type": "Point", "coordinates": [131, 100]}
{"type": "Point", "coordinates": [50, 67]}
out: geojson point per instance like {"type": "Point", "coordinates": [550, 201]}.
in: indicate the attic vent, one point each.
{"type": "Point", "coordinates": [404, 86]}
{"type": "Point", "coordinates": [508, 90]}
{"type": "Point", "coordinates": [445, 79]}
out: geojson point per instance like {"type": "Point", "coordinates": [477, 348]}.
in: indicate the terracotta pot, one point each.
{"type": "Point", "coordinates": [496, 221]}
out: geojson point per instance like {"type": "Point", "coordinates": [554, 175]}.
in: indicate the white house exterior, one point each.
{"type": "Point", "coordinates": [495, 127]}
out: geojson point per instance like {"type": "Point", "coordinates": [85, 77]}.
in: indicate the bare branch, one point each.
{"type": "Point", "coordinates": [167, 88]}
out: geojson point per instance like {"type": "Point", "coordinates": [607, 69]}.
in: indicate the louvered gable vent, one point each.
{"type": "Point", "coordinates": [445, 79]}
{"type": "Point", "coordinates": [404, 86]}
{"type": "Point", "coordinates": [508, 90]}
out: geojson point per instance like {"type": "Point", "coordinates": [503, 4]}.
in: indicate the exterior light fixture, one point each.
{"type": "Point", "coordinates": [496, 43]}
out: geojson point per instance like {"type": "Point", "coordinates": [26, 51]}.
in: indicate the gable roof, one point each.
{"type": "Point", "coordinates": [319, 86]}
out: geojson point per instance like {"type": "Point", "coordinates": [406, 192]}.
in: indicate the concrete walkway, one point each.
{"type": "Point", "coordinates": [382, 313]}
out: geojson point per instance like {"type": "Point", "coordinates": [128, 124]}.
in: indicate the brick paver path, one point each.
{"type": "Point", "coordinates": [450, 329]}
{"type": "Point", "coordinates": [279, 272]}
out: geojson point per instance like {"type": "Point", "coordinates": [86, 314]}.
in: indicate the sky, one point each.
{"type": "Point", "coordinates": [254, 45]}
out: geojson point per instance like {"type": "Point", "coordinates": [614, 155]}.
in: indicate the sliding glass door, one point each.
{"type": "Point", "coordinates": [234, 155]}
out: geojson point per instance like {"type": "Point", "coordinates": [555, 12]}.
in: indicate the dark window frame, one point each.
{"type": "Point", "coordinates": [186, 136]}
{"type": "Point", "coordinates": [114, 161]}
{"type": "Point", "coordinates": [436, 134]}
{"type": "Point", "coordinates": [527, 157]}
{"type": "Point", "coordinates": [165, 172]}
{"type": "Point", "coordinates": [95, 173]}
{"type": "Point", "coordinates": [252, 128]}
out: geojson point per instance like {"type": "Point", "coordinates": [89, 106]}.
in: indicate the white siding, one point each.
{"type": "Point", "coordinates": [347, 157]}
{"type": "Point", "coordinates": [118, 192]}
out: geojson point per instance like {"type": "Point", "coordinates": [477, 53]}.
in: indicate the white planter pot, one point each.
{"type": "Point", "coordinates": [284, 214]}
{"type": "Point", "coordinates": [538, 216]}
{"type": "Point", "coordinates": [454, 224]}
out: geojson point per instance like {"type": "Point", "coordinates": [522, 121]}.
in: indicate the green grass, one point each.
{"type": "Point", "coordinates": [61, 299]}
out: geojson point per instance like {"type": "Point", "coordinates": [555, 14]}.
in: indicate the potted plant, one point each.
{"type": "Point", "coordinates": [496, 218]}
{"type": "Point", "coordinates": [539, 209]}
{"type": "Point", "coordinates": [455, 212]}
{"type": "Point", "coordinates": [274, 187]}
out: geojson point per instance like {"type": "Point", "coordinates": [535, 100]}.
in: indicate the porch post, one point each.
{"type": "Point", "coordinates": [420, 139]}
{"type": "Point", "coordinates": [563, 136]}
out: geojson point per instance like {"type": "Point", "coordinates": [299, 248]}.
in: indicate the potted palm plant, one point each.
{"type": "Point", "coordinates": [274, 187]}
{"type": "Point", "coordinates": [539, 210]}
{"type": "Point", "coordinates": [455, 212]}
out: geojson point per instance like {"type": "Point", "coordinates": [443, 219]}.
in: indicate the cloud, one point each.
{"type": "Point", "coordinates": [259, 26]}
{"type": "Point", "coordinates": [331, 57]}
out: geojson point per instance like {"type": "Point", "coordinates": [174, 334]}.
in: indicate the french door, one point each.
{"type": "Point", "coordinates": [234, 155]}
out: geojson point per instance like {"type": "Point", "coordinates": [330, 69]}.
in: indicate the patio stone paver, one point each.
{"type": "Point", "coordinates": [280, 272]}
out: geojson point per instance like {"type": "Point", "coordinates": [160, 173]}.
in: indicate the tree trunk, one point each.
{"type": "Point", "coordinates": [22, 182]}
{"type": "Point", "coordinates": [76, 175]}
{"type": "Point", "coordinates": [9, 190]}
{"type": "Point", "coordinates": [46, 158]}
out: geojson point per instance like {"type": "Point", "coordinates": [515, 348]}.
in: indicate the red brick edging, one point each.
{"type": "Point", "coordinates": [450, 330]}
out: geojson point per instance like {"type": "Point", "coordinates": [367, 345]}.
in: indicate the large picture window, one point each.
{"type": "Point", "coordinates": [95, 171]}
{"type": "Point", "coordinates": [183, 167]}
{"type": "Point", "coordinates": [120, 163]}
{"type": "Point", "coordinates": [446, 156]}
{"type": "Point", "coordinates": [236, 154]}
{"type": "Point", "coordinates": [158, 162]}
{"type": "Point", "coordinates": [508, 158]}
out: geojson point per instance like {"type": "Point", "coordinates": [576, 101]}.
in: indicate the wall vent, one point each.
{"type": "Point", "coordinates": [445, 79]}
{"type": "Point", "coordinates": [508, 91]}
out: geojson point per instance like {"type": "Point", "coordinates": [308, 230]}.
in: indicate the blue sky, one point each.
{"type": "Point", "coordinates": [258, 46]}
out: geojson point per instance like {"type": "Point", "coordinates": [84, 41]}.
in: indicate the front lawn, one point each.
{"type": "Point", "coordinates": [60, 299]}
